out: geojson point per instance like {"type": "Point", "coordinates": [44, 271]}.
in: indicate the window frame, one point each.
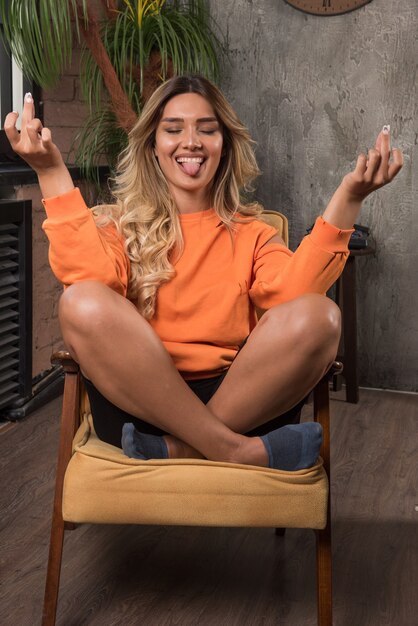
{"type": "Point", "coordinates": [13, 85]}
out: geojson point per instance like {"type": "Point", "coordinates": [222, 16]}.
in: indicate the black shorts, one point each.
{"type": "Point", "coordinates": [108, 419]}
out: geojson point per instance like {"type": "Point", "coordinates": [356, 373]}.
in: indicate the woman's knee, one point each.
{"type": "Point", "coordinates": [312, 320]}
{"type": "Point", "coordinates": [84, 306]}
{"type": "Point", "coordinates": [320, 313]}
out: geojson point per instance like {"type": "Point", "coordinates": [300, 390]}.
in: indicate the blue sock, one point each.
{"type": "Point", "coordinates": [289, 448]}
{"type": "Point", "coordinates": [293, 447]}
{"type": "Point", "coordinates": [136, 445]}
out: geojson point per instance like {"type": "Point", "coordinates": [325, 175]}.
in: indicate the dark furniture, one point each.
{"type": "Point", "coordinates": [346, 298]}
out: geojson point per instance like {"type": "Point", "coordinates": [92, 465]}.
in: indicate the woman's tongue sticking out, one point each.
{"type": "Point", "coordinates": [191, 168]}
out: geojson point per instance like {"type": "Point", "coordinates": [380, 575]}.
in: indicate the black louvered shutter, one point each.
{"type": "Point", "coordinates": [15, 300]}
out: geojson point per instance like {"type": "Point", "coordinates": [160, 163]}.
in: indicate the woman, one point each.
{"type": "Point", "coordinates": [162, 287]}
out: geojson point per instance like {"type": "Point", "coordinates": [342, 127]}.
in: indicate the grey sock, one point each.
{"type": "Point", "coordinates": [293, 447]}
{"type": "Point", "coordinates": [136, 445]}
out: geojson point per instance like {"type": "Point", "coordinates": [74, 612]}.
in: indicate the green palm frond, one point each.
{"type": "Point", "coordinates": [100, 139]}
{"type": "Point", "coordinates": [39, 35]}
{"type": "Point", "coordinates": [180, 32]}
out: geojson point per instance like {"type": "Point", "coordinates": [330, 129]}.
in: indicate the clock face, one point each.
{"type": "Point", "coordinates": [327, 7]}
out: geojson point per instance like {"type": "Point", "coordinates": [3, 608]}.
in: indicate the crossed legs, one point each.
{"type": "Point", "coordinates": [286, 354]}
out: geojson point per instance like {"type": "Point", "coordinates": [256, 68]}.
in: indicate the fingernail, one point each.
{"type": "Point", "coordinates": [17, 112]}
{"type": "Point", "coordinates": [386, 129]}
{"type": "Point", "coordinates": [28, 97]}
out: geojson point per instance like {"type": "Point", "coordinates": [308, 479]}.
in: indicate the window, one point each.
{"type": "Point", "coordinates": [13, 86]}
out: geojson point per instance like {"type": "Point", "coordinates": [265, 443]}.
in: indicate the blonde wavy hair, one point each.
{"type": "Point", "coordinates": [146, 215]}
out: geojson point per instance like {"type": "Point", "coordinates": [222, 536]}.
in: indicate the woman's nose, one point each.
{"type": "Point", "coordinates": [191, 138]}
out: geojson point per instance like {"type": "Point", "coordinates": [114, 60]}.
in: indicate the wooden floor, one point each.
{"type": "Point", "coordinates": [162, 576]}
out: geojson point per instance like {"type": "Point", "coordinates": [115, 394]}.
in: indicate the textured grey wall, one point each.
{"type": "Point", "coordinates": [315, 92]}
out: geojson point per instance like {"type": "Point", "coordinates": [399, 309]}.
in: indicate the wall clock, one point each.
{"type": "Point", "coordinates": [327, 7]}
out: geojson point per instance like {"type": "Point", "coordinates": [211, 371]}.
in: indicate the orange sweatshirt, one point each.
{"type": "Point", "coordinates": [207, 310]}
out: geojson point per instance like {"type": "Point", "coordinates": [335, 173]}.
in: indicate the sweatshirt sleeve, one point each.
{"type": "Point", "coordinates": [281, 275]}
{"type": "Point", "coordinates": [79, 250]}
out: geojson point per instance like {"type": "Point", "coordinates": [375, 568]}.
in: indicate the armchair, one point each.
{"type": "Point", "coordinates": [97, 483]}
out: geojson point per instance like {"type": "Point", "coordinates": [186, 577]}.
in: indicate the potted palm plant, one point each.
{"type": "Point", "coordinates": [129, 47]}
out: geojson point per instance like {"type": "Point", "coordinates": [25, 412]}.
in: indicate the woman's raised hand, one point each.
{"type": "Point", "coordinates": [34, 144]}
{"type": "Point", "coordinates": [372, 171]}
{"type": "Point", "coordinates": [375, 169]}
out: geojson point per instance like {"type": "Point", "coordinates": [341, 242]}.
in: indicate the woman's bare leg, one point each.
{"type": "Point", "coordinates": [287, 353]}
{"type": "Point", "coordinates": [121, 354]}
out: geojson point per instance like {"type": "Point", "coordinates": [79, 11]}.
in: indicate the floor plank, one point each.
{"type": "Point", "coordinates": [162, 576]}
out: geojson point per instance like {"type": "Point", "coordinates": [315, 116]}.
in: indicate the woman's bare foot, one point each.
{"type": "Point", "coordinates": [177, 449]}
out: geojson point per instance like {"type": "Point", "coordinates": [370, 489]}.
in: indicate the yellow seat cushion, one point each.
{"type": "Point", "coordinates": [102, 485]}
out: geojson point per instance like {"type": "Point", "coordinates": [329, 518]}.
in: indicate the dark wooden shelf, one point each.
{"type": "Point", "coordinates": [346, 298]}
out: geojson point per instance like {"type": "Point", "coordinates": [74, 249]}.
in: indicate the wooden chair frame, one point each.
{"type": "Point", "coordinates": [69, 423]}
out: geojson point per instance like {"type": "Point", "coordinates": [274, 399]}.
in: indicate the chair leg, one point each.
{"type": "Point", "coordinates": [323, 537]}
{"type": "Point", "coordinates": [324, 575]}
{"type": "Point", "coordinates": [69, 419]}
{"type": "Point", "coordinates": [54, 571]}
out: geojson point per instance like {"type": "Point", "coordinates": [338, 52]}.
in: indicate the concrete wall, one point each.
{"type": "Point", "coordinates": [315, 92]}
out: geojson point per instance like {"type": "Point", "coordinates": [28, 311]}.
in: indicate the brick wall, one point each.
{"type": "Point", "coordinates": [64, 109]}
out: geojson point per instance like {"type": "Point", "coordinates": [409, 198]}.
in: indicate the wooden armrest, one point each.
{"type": "Point", "coordinates": [63, 357]}
{"type": "Point", "coordinates": [335, 369]}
